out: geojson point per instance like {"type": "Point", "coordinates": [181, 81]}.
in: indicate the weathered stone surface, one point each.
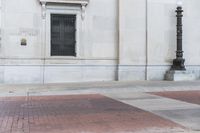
{"type": "Point", "coordinates": [175, 75]}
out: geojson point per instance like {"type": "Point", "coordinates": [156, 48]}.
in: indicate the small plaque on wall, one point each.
{"type": "Point", "coordinates": [23, 42]}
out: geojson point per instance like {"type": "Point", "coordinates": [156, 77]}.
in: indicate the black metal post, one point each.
{"type": "Point", "coordinates": [178, 63]}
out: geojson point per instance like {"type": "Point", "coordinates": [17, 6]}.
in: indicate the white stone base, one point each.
{"type": "Point", "coordinates": [175, 75]}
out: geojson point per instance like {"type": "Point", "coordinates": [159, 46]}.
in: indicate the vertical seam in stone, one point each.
{"type": "Point", "coordinates": [118, 40]}
{"type": "Point", "coordinates": [146, 23]}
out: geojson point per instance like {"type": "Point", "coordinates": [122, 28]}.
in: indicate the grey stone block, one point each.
{"type": "Point", "coordinates": [176, 75]}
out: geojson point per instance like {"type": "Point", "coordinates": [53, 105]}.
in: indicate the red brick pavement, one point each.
{"type": "Point", "coordinates": [74, 114]}
{"type": "Point", "coordinates": [187, 96]}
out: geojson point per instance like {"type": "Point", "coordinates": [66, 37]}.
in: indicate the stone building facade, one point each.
{"type": "Point", "coordinates": [113, 40]}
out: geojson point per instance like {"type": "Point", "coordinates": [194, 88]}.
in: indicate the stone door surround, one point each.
{"type": "Point", "coordinates": [82, 3]}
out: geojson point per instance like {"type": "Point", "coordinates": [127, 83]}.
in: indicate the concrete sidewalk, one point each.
{"type": "Point", "coordinates": [181, 112]}
{"type": "Point", "coordinates": [97, 87]}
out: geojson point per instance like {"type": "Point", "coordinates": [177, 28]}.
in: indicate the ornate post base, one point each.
{"type": "Point", "coordinates": [178, 72]}
{"type": "Point", "coordinates": [178, 64]}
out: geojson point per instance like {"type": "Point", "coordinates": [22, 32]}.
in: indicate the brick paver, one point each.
{"type": "Point", "coordinates": [187, 96]}
{"type": "Point", "coordinates": [77, 114]}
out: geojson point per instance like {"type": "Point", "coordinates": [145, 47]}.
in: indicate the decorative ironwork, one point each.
{"type": "Point", "coordinates": [178, 63]}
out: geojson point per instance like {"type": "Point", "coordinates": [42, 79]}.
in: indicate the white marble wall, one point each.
{"type": "Point", "coordinates": [97, 46]}
{"type": "Point", "coordinates": [151, 46]}
{"type": "Point", "coordinates": [162, 36]}
{"type": "Point", "coordinates": [132, 39]}
{"type": "Point", "coordinates": [118, 39]}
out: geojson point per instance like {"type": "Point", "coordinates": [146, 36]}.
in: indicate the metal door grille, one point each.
{"type": "Point", "coordinates": [63, 35]}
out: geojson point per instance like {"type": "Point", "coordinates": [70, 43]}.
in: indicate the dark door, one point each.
{"type": "Point", "coordinates": [63, 35]}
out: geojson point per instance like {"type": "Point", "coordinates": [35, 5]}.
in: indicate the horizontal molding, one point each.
{"type": "Point", "coordinates": [8, 58]}
{"type": "Point", "coordinates": [58, 65]}
{"type": "Point", "coordinates": [90, 65]}
{"type": "Point", "coordinates": [79, 65]}
{"type": "Point", "coordinates": [85, 2]}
